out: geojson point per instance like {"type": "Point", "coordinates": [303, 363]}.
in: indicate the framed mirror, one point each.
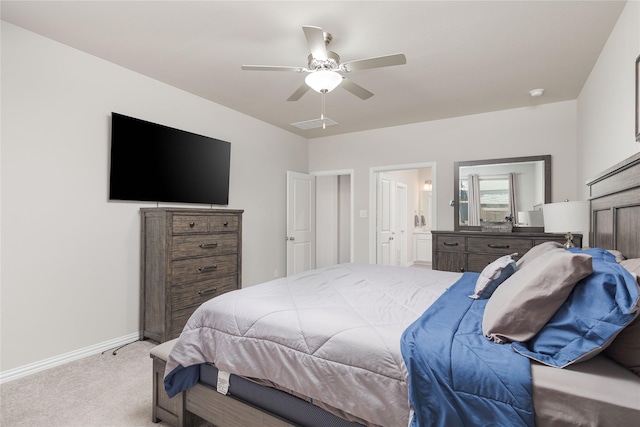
{"type": "Point", "coordinates": [495, 189]}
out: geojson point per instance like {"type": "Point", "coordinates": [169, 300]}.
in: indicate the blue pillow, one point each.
{"type": "Point", "coordinates": [493, 275]}
{"type": "Point", "coordinates": [597, 309]}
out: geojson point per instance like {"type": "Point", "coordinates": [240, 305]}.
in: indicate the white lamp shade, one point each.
{"type": "Point", "coordinates": [323, 80]}
{"type": "Point", "coordinates": [566, 217]}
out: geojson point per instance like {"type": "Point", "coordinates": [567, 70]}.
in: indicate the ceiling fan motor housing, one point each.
{"type": "Point", "coordinates": [331, 63]}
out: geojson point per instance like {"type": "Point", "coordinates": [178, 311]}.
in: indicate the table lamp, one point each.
{"type": "Point", "coordinates": [566, 217]}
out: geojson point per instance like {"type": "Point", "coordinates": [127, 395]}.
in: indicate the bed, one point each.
{"type": "Point", "coordinates": [355, 357]}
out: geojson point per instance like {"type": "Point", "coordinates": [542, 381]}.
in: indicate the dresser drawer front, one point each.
{"type": "Point", "coordinates": [178, 320]}
{"type": "Point", "coordinates": [498, 246]}
{"type": "Point", "coordinates": [450, 243]}
{"type": "Point", "coordinates": [204, 245]}
{"type": "Point", "coordinates": [477, 262]}
{"type": "Point", "coordinates": [219, 223]}
{"type": "Point", "coordinates": [451, 261]}
{"type": "Point", "coordinates": [189, 297]}
{"type": "Point", "coordinates": [194, 294]}
{"type": "Point", "coordinates": [190, 270]}
{"type": "Point", "coordinates": [190, 224]}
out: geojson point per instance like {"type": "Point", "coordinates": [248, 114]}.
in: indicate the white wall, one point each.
{"type": "Point", "coordinates": [530, 131]}
{"type": "Point", "coordinates": [606, 105]}
{"type": "Point", "coordinates": [70, 258]}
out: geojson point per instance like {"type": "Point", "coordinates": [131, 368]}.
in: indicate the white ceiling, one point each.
{"type": "Point", "coordinates": [463, 57]}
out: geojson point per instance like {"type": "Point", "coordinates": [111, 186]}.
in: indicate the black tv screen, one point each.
{"type": "Point", "coordinates": [152, 162]}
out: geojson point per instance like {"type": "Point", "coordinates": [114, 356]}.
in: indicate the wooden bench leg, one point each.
{"type": "Point", "coordinates": [168, 410]}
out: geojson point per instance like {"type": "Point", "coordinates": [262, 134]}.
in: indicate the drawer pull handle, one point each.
{"type": "Point", "coordinates": [498, 246]}
{"type": "Point", "coordinates": [450, 244]}
{"type": "Point", "coordinates": [207, 291]}
{"type": "Point", "coordinates": [208, 245]}
{"type": "Point", "coordinates": [209, 268]}
{"type": "Point", "coordinates": [192, 224]}
{"type": "Point", "coordinates": [225, 223]}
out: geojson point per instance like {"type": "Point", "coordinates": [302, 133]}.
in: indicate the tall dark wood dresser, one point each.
{"type": "Point", "coordinates": [188, 256]}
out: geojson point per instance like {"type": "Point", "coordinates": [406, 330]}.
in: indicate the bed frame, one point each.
{"type": "Point", "coordinates": [615, 224]}
{"type": "Point", "coordinates": [615, 208]}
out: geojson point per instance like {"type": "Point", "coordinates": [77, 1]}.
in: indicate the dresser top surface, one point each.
{"type": "Point", "coordinates": [514, 234]}
{"type": "Point", "coordinates": [199, 211]}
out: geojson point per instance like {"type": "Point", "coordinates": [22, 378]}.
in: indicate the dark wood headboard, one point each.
{"type": "Point", "coordinates": [615, 208]}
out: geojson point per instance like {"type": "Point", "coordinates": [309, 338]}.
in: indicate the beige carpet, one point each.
{"type": "Point", "coordinates": [100, 390]}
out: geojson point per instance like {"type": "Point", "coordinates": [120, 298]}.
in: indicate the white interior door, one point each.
{"type": "Point", "coordinates": [385, 215]}
{"type": "Point", "coordinates": [301, 211]}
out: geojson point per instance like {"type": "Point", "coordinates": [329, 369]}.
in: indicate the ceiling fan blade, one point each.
{"type": "Point", "coordinates": [355, 89]}
{"type": "Point", "coordinates": [299, 92]}
{"type": "Point", "coordinates": [377, 62]}
{"type": "Point", "coordinates": [315, 38]}
{"type": "Point", "coordinates": [272, 68]}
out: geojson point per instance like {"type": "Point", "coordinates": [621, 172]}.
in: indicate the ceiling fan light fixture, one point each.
{"type": "Point", "coordinates": [323, 80]}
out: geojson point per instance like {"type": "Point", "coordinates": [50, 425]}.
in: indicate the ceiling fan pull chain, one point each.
{"type": "Point", "coordinates": [322, 112]}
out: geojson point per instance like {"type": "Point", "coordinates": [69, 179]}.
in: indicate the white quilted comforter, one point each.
{"type": "Point", "coordinates": [331, 334]}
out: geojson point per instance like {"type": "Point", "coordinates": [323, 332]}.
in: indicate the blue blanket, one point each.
{"type": "Point", "coordinates": [457, 377]}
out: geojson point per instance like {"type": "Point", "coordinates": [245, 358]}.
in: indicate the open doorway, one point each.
{"type": "Point", "coordinates": [334, 217]}
{"type": "Point", "coordinates": [403, 212]}
{"type": "Point", "coordinates": [319, 219]}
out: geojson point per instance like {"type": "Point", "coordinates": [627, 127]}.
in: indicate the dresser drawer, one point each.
{"type": "Point", "coordinates": [223, 223]}
{"type": "Point", "coordinates": [189, 297]}
{"type": "Point", "coordinates": [450, 261]}
{"type": "Point", "coordinates": [204, 245]}
{"type": "Point", "coordinates": [194, 269]}
{"type": "Point", "coordinates": [178, 320]}
{"type": "Point", "coordinates": [194, 294]}
{"type": "Point", "coordinates": [190, 224]}
{"type": "Point", "coordinates": [496, 245]}
{"type": "Point", "coordinates": [477, 262]}
{"type": "Point", "coordinates": [450, 243]}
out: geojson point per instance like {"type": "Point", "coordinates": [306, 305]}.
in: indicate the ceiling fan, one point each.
{"type": "Point", "coordinates": [324, 67]}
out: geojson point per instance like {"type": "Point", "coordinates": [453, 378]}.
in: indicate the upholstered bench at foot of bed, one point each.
{"type": "Point", "coordinates": [201, 405]}
{"type": "Point", "coordinates": [170, 411]}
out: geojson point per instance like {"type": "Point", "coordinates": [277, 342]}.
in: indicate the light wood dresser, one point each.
{"type": "Point", "coordinates": [188, 256]}
{"type": "Point", "coordinates": [462, 251]}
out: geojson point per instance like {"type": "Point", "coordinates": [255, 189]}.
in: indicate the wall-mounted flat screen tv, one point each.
{"type": "Point", "coordinates": [156, 163]}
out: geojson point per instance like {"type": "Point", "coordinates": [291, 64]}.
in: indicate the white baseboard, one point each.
{"type": "Point", "coordinates": [32, 368]}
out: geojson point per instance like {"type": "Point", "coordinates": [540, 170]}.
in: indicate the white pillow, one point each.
{"type": "Point", "coordinates": [492, 275]}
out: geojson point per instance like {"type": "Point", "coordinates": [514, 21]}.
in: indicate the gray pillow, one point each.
{"type": "Point", "coordinates": [524, 302]}
{"type": "Point", "coordinates": [536, 252]}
